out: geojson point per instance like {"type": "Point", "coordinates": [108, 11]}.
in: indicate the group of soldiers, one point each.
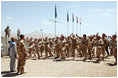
{"type": "Point", "coordinates": [62, 47]}
{"type": "Point", "coordinates": [88, 47]}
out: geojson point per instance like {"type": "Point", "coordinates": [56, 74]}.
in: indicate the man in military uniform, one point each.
{"type": "Point", "coordinates": [98, 45]}
{"type": "Point", "coordinates": [104, 45]}
{"type": "Point", "coordinates": [22, 53]}
{"type": "Point", "coordinates": [59, 47]}
{"type": "Point", "coordinates": [79, 45]}
{"type": "Point", "coordinates": [113, 47]}
{"type": "Point", "coordinates": [73, 46]}
{"type": "Point", "coordinates": [47, 49]}
{"type": "Point", "coordinates": [89, 46]}
{"type": "Point", "coordinates": [18, 34]}
{"type": "Point", "coordinates": [31, 44]}
{"type": "Point", "coordinates": [83, 46]}
{"type": "Point", "coordinates": [7, 31]}
{"type": "Point", "coordinates": [36, 47]}
{"type": "Point", "coordinates": [56, 47]}
{"type": "Point", "coordinates": [67, 47]}
{"type": "Point", "coordinates": [93, 46]}
{"type": "Point", "coordinates": [51, 44]}
{"type": "Point", "coordinates": [41, 47]}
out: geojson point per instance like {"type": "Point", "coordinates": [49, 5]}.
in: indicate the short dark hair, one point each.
{"type": "Point", "coordinates": [84, 35]}
{"type": "Point", "coordinates": [13, 38]}
{"type": "Point", "coordinates": [21, 36]}
{"type": "Point", "coordinates": [103, 34]}
{"type": "Point", "coordinates": [115, 36]}
{"type": "Point", "coordinates": [7, 26]}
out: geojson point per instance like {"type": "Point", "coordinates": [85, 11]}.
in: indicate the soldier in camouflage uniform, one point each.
{"type": "Point", "coordinates": [30, 46]}
{"type": "Point", "coordinates": [79, 45]}
{"type": "Point", "coordinates": [73, 46]}
{"type": "Point", "coordinates": [56, 48]}
{"type": "Point", "coordinates": [47, 49]}
{"type": "Point", "coordinates": [98, 45]}
{"type": "Point", "coordinates": [51, 44]}
{"type": "Point", "coordinates": [113, 47]}
{"type": "Point", "coordinates": [84, 43]}
{"type": "Point", "coordinates": [36, 47]}
{"type": "Point", "coordinates": [83, 46]}
{"type": "Point", "coordinates": [67, 47]}
{"type": "Point", "coordinates": [18, 34]}
{"type": "Point", "coordinates": [22, 53]}
{"type": "Point", "coordinates": [41, 46]}
{"type": "Point", "coordinates": [7, 31]}
{"type": "Point", "coordinates": [94, 45]}
{"type": "Point", "coordinates": [59, 48]}
{"type": "Point", "coordinates": [105, 43]}
{"type": "Point", "coordinates": [90, 46]}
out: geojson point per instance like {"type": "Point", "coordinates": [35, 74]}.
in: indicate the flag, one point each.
{"type": "Point", "coordinates": [77, 19]}
{"type": "Point", "coordinates": [67, 17]}
{"type": "Point", "coordinates": [80, 21]}
{"type": "Point", "coordinates": [40, 29]}
{"type": "Point", "coordinates": [55, 12]}
{"type": "Point", "coordinates": [73, 17]}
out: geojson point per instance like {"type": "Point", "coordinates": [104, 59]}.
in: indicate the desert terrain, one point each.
{"type": "Point", "coordinates": [57, 68]}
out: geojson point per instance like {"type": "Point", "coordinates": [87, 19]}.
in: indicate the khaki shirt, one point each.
{"type": "Point", "coordinates": [21, 48]}
{"type": "Point", "coordinates": [7, 30]}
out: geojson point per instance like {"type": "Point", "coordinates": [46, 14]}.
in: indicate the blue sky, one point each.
{"type": "Point", "coordinates": [30, 16]}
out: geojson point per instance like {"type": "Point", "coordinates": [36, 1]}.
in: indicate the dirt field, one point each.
{"type": "Point", "coordinates": [69, 68]}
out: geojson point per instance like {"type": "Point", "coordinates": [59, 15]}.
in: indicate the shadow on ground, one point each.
{"type": "Point", "coordinates": [8, 74]}
{"type": "Point", "coordinates": [110, 64]}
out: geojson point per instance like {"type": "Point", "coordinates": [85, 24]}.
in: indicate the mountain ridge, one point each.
{"type": "Point", "coordinates": [35, 34]}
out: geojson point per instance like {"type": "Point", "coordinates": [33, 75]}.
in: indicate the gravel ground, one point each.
{"type": "Point", "coordinates": [56, 68]}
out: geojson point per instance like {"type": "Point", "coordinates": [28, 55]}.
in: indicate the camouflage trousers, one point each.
{"type": "Point", "coordinates": [98, 53]}
{"type": "Point", "coordinates": [7, 34]}
{"type": "Point", "coordinates": [48, 51]}
{"type": "Point", "coordinates": [21, 64]}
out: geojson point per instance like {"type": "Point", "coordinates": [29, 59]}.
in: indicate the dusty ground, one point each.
{"type": "Point", "coordinates": [69, 68]}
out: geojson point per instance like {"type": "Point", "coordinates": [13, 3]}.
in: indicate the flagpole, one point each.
{"type": "Point", "coordinates": [80, 26]}
{"type": "Point", "coordinates": [76, 28]}
{"type": "Point", "coordinates": [73, 23]}
{"type": "Point", "coordinates": [73, 28]}
{"type": "Point", "coordinates": [55, 28]}
{"type": "Point", "coordinates": [76, 24]}
{"type": "Point", "coordinates": [80, 30]}
{"type": "Point", "coordinates": [67, 29]}
{"type": "Point", "coordinates": [55, 24]}
{"type": "Point", "coordinates": [42, 33]}
{"type": "Point", "coordinates": [67, 24]}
